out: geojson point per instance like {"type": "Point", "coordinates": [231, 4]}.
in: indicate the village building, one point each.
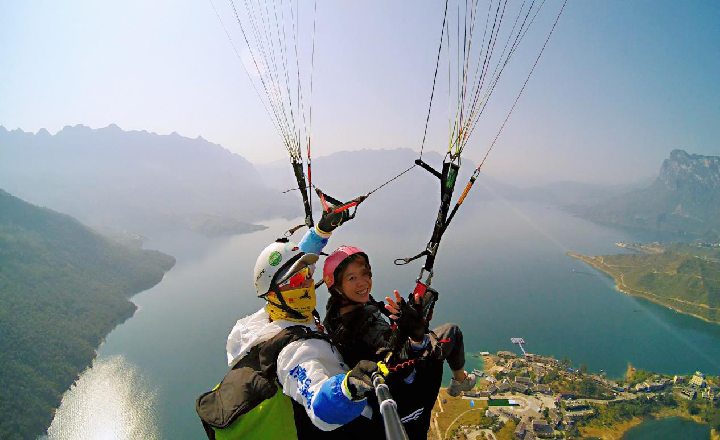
{"type": "Point", "coordinates": [542, 429]}
{"type": "Point", "coordinates": [519, 387]}
{"type": "Point", "coordinates": [641, 387]}
{"type": "Point", "coordinates": [598, 381]}
{"type": "Point", "coordinates": [574, 415]}
{"type": "Point", "coordinates": [542, 388]}
{"type": "Point", "coordinates": [688, 393]}
{"type": "Point", "coordinates": [506, 355]}
{"type": "Point", "coordinates": [555, 418]}
{"type": "Point", "coordinates": [539, 370]}
{"type": "Point", "coordinates": [523, 380]}
{"type": "Point", "coordinates": [576, 405]}
{"type": "Point", "coordinates": [515, 363]}
{"type": "Point", "coordinates": [540, 359]}
{"type": "Point", "coordinates": [496, 370]}
{"type": "Point", "coordinates": [503, 387]}
{"type": "Point", "coordinates": [698, 380]}
{"type": "Point", "coordinates": [656, 386]}
{"type": "Point", "coordinates": [711, 393]}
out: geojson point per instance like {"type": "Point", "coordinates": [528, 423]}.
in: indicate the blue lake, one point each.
{"type": "Point", "coordinates": [674, 428]}
{"type": "Point", "coordinates": [501, 271]}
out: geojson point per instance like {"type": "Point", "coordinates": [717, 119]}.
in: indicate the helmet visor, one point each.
{"type": "Point", "coordinates": [300, 263]}
{"type": "Point", "coordinates": [298, 278]}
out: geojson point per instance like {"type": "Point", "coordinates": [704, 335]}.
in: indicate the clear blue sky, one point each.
{"type": "Point", "coordinates": [621, 84]}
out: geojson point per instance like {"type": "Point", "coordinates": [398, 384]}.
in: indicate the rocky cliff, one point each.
{"type": "Point", "coordinates": [685, 197]}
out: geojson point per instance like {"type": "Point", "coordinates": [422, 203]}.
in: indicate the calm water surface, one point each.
{"type": "Point", "coordinates": [502, 272]}
{"type": "Point", "coordinates": [671, 428]}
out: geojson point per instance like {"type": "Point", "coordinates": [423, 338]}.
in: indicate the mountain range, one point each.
{"type": "Point", "coordinates": [140, 182]}
{"type": "Point", "coordinates": [685, 197]}
{"type": "Point", "coordinates": [136, 181]}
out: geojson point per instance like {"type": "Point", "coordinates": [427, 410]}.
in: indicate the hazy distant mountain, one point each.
{"type": "Point", "coordinates": [685, 197]}
{"type": "Point", "coordinates": [63, 288]}
{"type": "Point", "coordinates": [135, 180]}
{"type": "Point", "coordinates": [348, 174]}
{"type": "Point", "coordinates": [577, 195]}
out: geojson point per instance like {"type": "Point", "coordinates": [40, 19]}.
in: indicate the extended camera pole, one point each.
{"type": "Point", "coordinates": [394, 429]}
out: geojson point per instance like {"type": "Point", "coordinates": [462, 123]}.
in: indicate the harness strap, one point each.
{"type": "Point", "coordinates": [339, 206]}
{"type": "Point", "coordinates": [448, 177]}
{"type": "Point", "coordinates": [300, 177]}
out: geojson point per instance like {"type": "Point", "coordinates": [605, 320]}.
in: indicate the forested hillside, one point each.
{"type": "Point", "coordinates": [63, 288]}
{"type": "Point", "coordinates": [678, 275]}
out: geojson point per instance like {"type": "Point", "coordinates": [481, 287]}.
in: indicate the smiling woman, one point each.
{"type": "Point", "coordinates": [356, 279]}
{"type": "Point", "coordinates": [413, 354]}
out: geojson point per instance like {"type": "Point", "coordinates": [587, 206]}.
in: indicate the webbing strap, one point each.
{"type": "Point", "coordinates": [300, 177]}
{"type": "Point", "coordinates": [339, 206]}
{"type": "Point", "coordinates": [448, 177]}
{"type": "Point", "coordinates": [404, 261]}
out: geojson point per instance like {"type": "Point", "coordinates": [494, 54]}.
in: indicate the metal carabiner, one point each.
{"type": "Point", "coordinates": [428, 280]}
{"type": "Point", "coordinates": [291, 231]}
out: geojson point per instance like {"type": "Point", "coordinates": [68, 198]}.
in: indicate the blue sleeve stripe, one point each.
{"type": "Point", "coordinates": [312, 243]}
{"type": "Point", "coordinates": [331, 406]}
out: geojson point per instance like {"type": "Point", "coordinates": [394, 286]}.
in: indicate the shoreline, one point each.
{"type": "Point", "coordinates": [91, 362]}
{"type": "Point", "coordinates": [617, 431]}
{"type": "Point", "coordinates": [612, 432]}
{"type": "Point", "coordinates": [621, 287]}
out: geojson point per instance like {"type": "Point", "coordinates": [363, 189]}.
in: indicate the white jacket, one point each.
{"type": "Point", "coordinates": [310, 371]}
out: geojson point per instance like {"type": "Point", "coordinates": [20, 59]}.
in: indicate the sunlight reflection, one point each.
{"type": "Point", "coordinates": [111, 400]}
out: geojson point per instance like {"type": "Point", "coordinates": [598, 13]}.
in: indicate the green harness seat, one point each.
{"type": "Point", "coordinates": [270, 419]}
{"type": "Point", "coordinates": [247, 404]}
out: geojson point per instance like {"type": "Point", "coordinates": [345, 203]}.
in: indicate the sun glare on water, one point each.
{"type": "Point", "coordinates": [111, 400]}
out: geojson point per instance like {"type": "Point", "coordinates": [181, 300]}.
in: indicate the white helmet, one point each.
{"type": "Point", "coordinates": [277, 262]}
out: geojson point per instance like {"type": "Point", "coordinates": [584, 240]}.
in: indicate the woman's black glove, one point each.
{"type": "Point", "coordinates": [410, 322]}
{"type": "Point", "coordinates": [331, 220]}
{"type": "Point", "coordinates": [358, 381]}
{"type": "Point", "coordinates": [408, 319]}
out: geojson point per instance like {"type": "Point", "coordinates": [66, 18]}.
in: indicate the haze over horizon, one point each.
{"type": "Point", "coordinates": [619, 86]}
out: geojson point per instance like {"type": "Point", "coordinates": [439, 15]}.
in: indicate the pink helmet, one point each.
{"type": "Point", "coordinates": [333, 261]}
